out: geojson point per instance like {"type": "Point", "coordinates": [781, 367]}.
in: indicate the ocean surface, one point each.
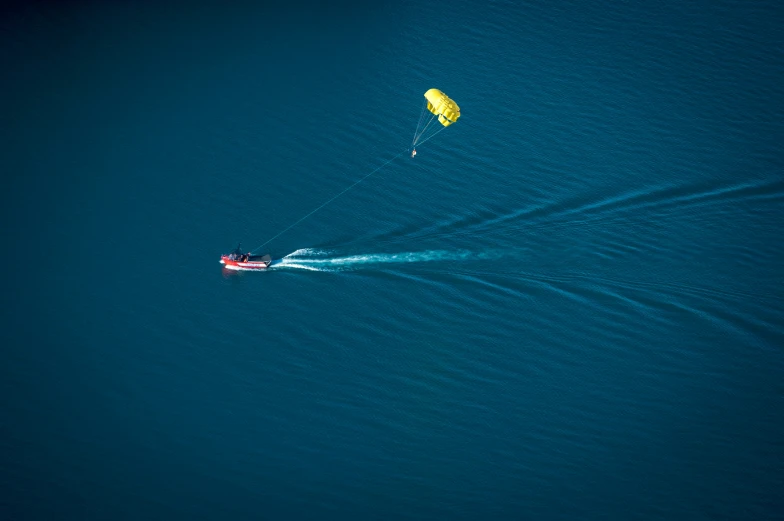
{"type": "Point", "coordinates": [569, 305]}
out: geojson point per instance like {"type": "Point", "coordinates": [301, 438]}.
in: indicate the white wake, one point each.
{"type": "Point", "coordinates": [321, 260]}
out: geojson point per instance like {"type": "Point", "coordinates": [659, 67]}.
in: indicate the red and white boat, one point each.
{"type": "Point", "coordinates": [237, 260]}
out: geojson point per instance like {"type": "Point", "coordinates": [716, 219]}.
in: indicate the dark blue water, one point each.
{"type": "Point", "coordinates": [568, 306]}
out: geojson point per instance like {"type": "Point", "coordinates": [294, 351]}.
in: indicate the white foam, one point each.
{"type": "Point", "coordinates": [294, 265]}
{"type": "Point", "coordinates": [305, 259]}
{"type": "Point", "coordinates": [307, 252]}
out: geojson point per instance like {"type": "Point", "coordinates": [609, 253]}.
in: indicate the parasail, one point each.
{"type": "Point", "coordinates": [442, 106]}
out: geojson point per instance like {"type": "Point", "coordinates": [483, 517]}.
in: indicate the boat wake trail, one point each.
{"type": "Point", "coordinates": [322, 260]}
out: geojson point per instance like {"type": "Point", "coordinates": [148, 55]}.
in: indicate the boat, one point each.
{"type": "Point", "coordinates": [237, 260]}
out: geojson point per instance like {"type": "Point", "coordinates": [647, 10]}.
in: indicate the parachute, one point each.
{"type": "Point", "coordinates": [441, 105]}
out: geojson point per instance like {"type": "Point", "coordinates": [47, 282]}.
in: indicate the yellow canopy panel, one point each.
{"type": "Point", "coordinates": [440, 104]}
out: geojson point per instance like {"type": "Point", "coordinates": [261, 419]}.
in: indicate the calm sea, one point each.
{"type": "Point", "coordinates": [568, 306]}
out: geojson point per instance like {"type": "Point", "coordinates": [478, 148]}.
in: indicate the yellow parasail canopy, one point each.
{"type": "Point", "coordinates": [441, 105]}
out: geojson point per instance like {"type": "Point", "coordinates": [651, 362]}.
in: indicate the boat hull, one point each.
{"type": "Point", "coordinates": [234, 264]}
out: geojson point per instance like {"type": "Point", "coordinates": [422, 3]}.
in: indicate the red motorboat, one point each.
{"type": "Point", "coordinates": [237, 260]}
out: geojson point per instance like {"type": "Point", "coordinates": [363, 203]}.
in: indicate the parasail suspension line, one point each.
{"type": "Point", "coordinates": [428, 138]}
{"type": "Point", "coordinates": [416, 141]}
{"type": "Point", "coordinates": [421, 115]}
